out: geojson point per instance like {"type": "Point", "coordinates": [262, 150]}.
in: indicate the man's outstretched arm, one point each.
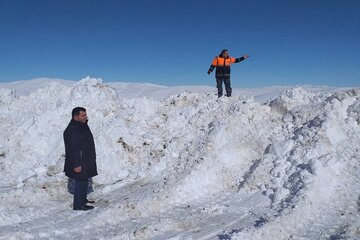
{"type": "Point", "coordinates": [241, 58]}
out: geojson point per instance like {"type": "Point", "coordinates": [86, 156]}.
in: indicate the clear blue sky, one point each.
{"type": "Point", "coordinates": [173, 42]}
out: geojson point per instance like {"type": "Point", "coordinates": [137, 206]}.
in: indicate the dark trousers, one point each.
{"type": "Point", "coordinates": [71, 186]}
{"type": "Point", "coordinates": [219, 82]}
{"type": "Point", "coordinates": [80, 193]}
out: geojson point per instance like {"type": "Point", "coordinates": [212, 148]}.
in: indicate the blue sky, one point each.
{"type": "Point", "coordinates": [173, 42]}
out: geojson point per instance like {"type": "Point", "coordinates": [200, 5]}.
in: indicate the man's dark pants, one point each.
{"type": "Point", "coordinates": [219, 82]}
{"type": "Point", "coordinates": [80, 193]}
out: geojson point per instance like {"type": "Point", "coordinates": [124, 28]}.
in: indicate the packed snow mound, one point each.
{"type": "Point", "coordinates": [191, 166]}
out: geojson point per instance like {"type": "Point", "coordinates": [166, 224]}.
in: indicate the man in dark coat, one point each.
{"type": "Point", "coordinates": [80, 156]}
{"type": "Point", "coordinates": [222, 74]}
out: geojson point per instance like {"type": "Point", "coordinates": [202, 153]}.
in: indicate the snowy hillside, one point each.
{"type": "Point", "coordinates": [186, 166]}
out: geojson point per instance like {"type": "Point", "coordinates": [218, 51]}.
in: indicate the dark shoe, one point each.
{"type": "Point", "coordinates": [89, 201]}
{"type": "Point", "coordinates": [85, 208]}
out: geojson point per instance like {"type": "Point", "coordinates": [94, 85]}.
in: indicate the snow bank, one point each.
{"type": "Point", "coordinates": [190, 166]}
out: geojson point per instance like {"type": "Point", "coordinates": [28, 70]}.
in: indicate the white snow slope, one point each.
{"type": "Point", "coordinates": [189, 166]}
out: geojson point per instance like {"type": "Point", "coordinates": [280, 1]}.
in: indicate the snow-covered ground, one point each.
{"type": "Point", "coordinates": [179, 163]}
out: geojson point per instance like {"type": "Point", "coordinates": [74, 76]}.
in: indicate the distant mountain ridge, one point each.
{"type": "Point", "coordinates": [159, 92]}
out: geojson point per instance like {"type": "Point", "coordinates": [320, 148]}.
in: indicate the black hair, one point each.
{"type": "Point", "coordinates": [76, 111]}
{"type": "Point", "coordinates": [222, 52]}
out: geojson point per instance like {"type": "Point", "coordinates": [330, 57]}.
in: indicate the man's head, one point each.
{"type": "Point", "coordinates": [79, 114]}
{"type": "Point", "coordinates": [224, 53]}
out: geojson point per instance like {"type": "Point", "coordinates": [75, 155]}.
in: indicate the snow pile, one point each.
{"type": "Point", "coordinates": [313, 169]}
{"type": "Point", "coordinates": [190, 166]}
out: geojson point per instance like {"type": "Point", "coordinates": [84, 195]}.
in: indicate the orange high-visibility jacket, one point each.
{"type": "Point", "coordinates": [220, 61]}
{"type": "Point", "coordinates": [222, 65]}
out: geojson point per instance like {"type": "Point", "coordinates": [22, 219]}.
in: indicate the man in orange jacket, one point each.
{"type": "Point", "coordinates": [222, 74]}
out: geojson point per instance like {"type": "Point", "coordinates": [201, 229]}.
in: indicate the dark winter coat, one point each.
{"type": "Point", "coordinates": [222, 66]}
{"type": "Point", "coordinates": [79, 151]}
